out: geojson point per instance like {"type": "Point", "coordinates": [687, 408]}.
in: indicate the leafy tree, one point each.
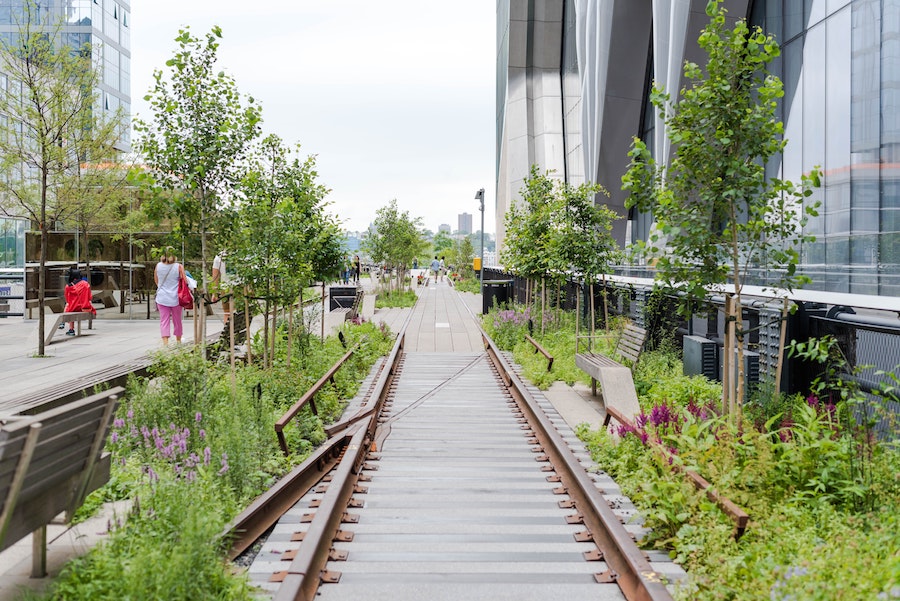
{"type": "Point", "coordinates": [199, 137]}
{"type": "Point", "coordinates": [395, 239]}
{"type": "Point", "coordinates": [442, 242]}
{"type": "Point", "coordinates": [584, 237]}
{"type": "Point", "coordinates": [528, 229]}
{"type": "Point", "coordinates": [717, 212]}
{"type": "Point", "coordinates": [279, 235]}
{"type": "Point", "coordinates": [461, 255]}
{"type": "Point", "coordinates": [51, 126]}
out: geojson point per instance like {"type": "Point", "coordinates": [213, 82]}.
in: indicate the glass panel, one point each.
{"type": "Point", "coordinates": [837, 94]}
{"type": "Point", "coordinates": [793, 19]}
{"type": "Point", "coordinates": [815, 11]}
{"type": "Point", "coordinates": [865, 82]}
{"type": "Point", "coordinates": [836, 5]}
{"type": "Point", "coordinates": [793, 110]}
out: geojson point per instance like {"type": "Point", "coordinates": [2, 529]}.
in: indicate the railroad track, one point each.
{"type": "Point", "coordinates": [449, 482]}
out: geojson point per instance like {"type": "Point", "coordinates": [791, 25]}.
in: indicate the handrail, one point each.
{"type": "Point", "coordinates": [539, 349]}
{"type": "Point", "coordinates": [309, 398]}
{"type": "Point", "coordinates": [737, 515]}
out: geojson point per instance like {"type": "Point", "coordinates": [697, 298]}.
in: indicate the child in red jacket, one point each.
{"type": "Point", "coordinates": [78, 297]}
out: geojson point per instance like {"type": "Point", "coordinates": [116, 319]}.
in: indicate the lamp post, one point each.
{"type": "Point", "coordinates": [480, 196]}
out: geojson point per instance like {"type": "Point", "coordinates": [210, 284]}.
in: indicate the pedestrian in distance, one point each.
{"type": "Point", "coordinates": [219, 285]}
{"type": "Point", "coordinates": [169, 272]}
{"type": "Point", "coordinates": [78, 297]}
{"type": "Point", "coordinates": [356, 268]}
{"type": "Point", "coordinates": [435, 267]}
{"type": "Point", "coordinates": [443, 268]}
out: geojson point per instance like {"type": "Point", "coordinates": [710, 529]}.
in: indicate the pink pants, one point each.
{"type": "Point", "coordinates": [169, 315]}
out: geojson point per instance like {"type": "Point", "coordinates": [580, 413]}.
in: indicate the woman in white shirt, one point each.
{"type": "Point", "coordinates": [167, 275]}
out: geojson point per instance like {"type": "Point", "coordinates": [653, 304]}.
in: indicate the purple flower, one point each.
{"type": "Point", "coordinates": [130, 414]}
{"type": "Point", "coordinates": [207, 454]}
{"type": "Point", "coordinates": [198, 417]}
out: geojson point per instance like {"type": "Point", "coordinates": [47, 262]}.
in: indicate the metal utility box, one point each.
{"type": "Point", "coordinates": [701, 357]}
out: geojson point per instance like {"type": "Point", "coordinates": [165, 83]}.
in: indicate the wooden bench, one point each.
{"type": "Point", "coordinates": [616, 382]}
{"type": "Point", "coordinates": [64, 318]}
{"type": "Point", "coordinates": [49, 462]}
{"type": "Point", "coordinates": [218, 345]}
{"type": "Point", "coordinates": [57, 304]}
{"type": "Point", "coordinates": [351, 311]}
{"type": "Point", "coordinates": [539, 349]}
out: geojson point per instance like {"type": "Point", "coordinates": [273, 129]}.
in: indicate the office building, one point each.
{"type": "Point", "coordinates": [465, 223]}
{"type": "Point", "coordinates": [444, 227]}
{"type": "Point", "coordinates": [106, 26]}
{"type": "Point", "coordinates": [573, 85]}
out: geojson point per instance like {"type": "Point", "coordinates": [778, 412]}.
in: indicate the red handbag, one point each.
{"type": "Point", "coordinates": [185, 297]}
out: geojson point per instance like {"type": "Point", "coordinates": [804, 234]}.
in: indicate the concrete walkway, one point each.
{"type": "Point", "coordinates": [443, 320]}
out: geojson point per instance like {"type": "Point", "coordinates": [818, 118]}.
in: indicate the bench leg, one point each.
{"type": "Point", "coordinates": [39, 552]}
{"type": "Point", "coordinates": [593, 386]}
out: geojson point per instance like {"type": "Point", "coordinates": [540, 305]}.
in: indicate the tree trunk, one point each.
{"type": "Point", "coordinates": [728, 360]}
{"type": "Point", "coordinates": [593, 319]}
{"type": "Point", "coordinates": [42, 283]}
{"type": "Point", "coordinates": [247, 325]}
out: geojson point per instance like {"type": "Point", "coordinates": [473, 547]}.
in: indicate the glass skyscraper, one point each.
{"type": "Point", "coordinates": [106, 26]}
{"type": "Point", "coordinates": [573, 85]}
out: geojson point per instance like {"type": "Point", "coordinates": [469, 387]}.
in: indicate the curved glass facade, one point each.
{"type": "Point", "coordinates": [840, 66]}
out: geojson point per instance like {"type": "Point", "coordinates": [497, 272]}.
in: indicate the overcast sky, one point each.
{"type": "Point", "coordinates": [395, 98]}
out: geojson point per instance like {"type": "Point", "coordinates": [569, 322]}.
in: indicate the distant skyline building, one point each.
{"type": "Point", "coordinates": [444, 227]}
{"type": "Point", "coordinates": [465, 223]}
{"type": "Point", "coordinates": [574, 80]}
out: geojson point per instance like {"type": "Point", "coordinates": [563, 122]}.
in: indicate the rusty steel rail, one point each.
{"type": "Point", "coordinates": [729, 507]}
{"type": "Point", "coordinates": [265, 511]}
{"type": "Point", "coordinates": [341, 456]}
{"type": "Point", "coordinates": [628, 566]}
{"type": "Point", "coordinates": [309, 398]}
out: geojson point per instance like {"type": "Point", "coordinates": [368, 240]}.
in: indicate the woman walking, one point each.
{"type": "Point", "coordinates": [167, 275]}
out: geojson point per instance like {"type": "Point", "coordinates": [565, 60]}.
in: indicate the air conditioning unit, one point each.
{"type": "Point", "coordinates": [700, 357]}
{"type": "Point", "coordinates": [751, 371]}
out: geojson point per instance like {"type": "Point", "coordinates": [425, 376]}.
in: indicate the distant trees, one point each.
{"type": "Point", "coordinates": [395, 239]}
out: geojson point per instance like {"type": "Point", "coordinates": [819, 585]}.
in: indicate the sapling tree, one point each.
{"type": "Point", "coordinates": [527, 250]}
{"type": "Point", "coordinates": [278, 235]}
{"type": "Point", "coordinates": [718, 214]}
{"type": "Point", "coordinates": [395, 239]}
{"type": "Point", "coordinates": [51, 126]}
{"type": "Point", "coordinates": [199, 134]}
{"type": "Point", "coordinates": [585, 239]}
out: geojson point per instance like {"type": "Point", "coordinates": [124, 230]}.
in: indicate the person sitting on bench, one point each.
{"type": "Point", "coordinates": [78, 297]}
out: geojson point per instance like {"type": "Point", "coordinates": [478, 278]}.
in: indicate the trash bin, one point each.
{"type": "Point", "coordinates": [496, 292]}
